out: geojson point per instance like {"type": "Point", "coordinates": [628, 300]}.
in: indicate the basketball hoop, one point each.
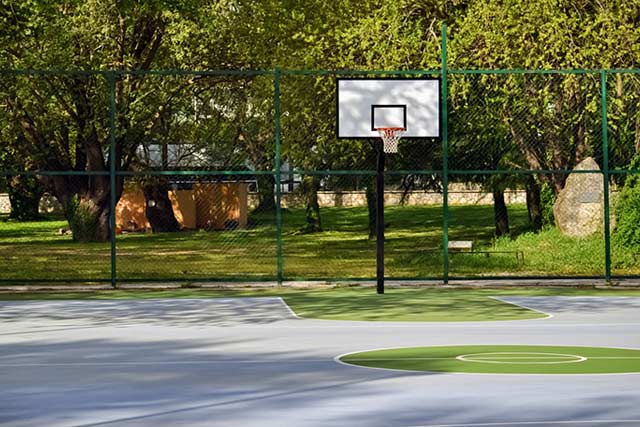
{"type": "Point", "coordinates": [390, 138]}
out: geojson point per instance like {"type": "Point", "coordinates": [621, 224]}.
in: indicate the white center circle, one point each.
{"type": "Point", "coordinates": [521, 358]}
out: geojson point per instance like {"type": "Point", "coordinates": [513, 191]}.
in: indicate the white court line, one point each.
{"type": "Point", "coordinates": [549, 315]}
{"type": "Point", "coordinates": [393, 359]}
{"type": "Point", "coordinates": [614, 357]}
{"type": "Point", "coordinates": [160, 363]}
{"type": "Point", "coordinates": [207, 362]}
{"type": "Point", "coordinates": [326, 323]}
{"type": "Point", "coordinates": [345, 324]}
{"type": "Point", "coordinates": [342, 324]}
{"type": "Point", "coordinates": [288, 307]}
{"type": "Point", "coordinates": [488, 357]}
{"type": "Point", "coordinates": [528, 423]}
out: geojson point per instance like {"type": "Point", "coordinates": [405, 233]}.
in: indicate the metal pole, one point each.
{"type": "Point", "coordinates": [444, 94]}
{"type": "Point", "coordinates": [278, 175]}
{"type": "Point", "coordinates": [605, 169]}
{"type": "Point", "coordinates": [111, 80]}
{"type": "Point", "coordinates": [380, 219]}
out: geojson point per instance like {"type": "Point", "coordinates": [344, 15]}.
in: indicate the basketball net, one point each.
{"type": "Point", "coordinates": [390, 138]}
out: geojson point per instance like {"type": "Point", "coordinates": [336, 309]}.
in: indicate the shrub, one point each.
{"type": "Point", "coordinates": [627, 211]}
{"type": "Point", "coordinates": [547, 200]}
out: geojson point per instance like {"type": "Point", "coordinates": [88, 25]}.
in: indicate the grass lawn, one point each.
{"type": "Point", "coordinates": [362, 303]}
{"type": "Point", "coordinates": [34, 250]}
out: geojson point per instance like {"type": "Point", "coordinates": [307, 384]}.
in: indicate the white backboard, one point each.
{"type": "Point", "coordinates": [365, 104]}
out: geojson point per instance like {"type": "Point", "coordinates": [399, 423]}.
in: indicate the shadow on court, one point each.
{"type": "Point", "coordinates": [177, 312]}
{"type": "Point", "coordinates": [104, 382]}
{"type": "Point", "coordinates": [195, 383]}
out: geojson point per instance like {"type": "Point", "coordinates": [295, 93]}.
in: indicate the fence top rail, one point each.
{"type": "Point", "coordinates": [201, 172]}
{"type": "Point", "coordinates": [168, 72]}
{"type": "Point", "coordinates": [302, 72]}
{"type": "Point", "coordinates": [527, 71]}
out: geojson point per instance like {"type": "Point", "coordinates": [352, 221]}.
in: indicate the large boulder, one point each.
{"type": "Point", "coordinates": [579, 208]}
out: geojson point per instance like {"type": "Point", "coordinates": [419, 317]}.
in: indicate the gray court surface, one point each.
{"type": "Point", "coordinates": [252, 362]}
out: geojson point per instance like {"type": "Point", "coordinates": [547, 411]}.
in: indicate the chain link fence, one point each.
{"type": "Point", "coordinates": [118, 176]}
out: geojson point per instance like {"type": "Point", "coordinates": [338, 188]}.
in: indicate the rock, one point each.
{"type": "Point", "coordinates": [579, 208]}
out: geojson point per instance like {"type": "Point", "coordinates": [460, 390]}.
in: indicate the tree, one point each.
{"type": "Point", "coordinates": [553, 120]}
{"type": "Point", "coordinates": [479, 142]}
{"type": "Point", "coordinates": [626, 232]}
{"type": "Point", "coordinates": [64, 118]}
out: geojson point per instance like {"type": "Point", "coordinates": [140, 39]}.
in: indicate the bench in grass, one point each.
{"type": "Point", "coordinates": [466, 247]}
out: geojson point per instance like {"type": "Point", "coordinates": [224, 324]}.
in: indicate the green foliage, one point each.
{"type": "Point", "coordinates": [547, 200]}
{"type": "Point", "coordinates": [624, 120]}
{"type": "Point", "coordinates": [548, 34]}
{"type": "Point", "coordinates": [550, 252]}
{"type": "Point", "coordinates": [627, 212]}
{"type": "Point", "coordinates": [83, 219]}
{"type": "Point", "coordinates": [25, 193]}
{"type": "Point", "coordinates": [552, 120]}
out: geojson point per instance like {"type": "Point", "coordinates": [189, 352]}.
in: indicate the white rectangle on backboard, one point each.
{"type": "Point", "coordinates": [364, 103]}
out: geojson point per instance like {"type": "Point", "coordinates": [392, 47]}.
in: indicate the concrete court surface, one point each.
{"type": "Point", "coordinates": [251, 362]}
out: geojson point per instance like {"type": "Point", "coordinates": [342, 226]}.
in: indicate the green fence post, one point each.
{"type": "Point", "coordinates": [111, 79]}
{"type": "Point", "coordinates": [444, 94]}
{"type": "Point", "coordinates": [278, 173]}
{"type": "Point", "coordinates": [606, 174]}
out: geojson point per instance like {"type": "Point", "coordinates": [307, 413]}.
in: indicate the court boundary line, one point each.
{"type": "Point", "coordinates": [162, 362]}
{"type": "Point", "coordinates": [548, 315]}
{"type": "Point", "coordinates": [375, 323]}
{"type": "Point", "coordinates": [525, 423]}
{"type": "Point", "coordinates": [288, 307]}
{"type": "Point", "coordinates": [249, 361]}
{"type": "Point", "coordinates": [509, 360]}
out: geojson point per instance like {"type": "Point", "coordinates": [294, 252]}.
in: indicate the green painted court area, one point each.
{"type": "Point", "coordinates": [502, 359]}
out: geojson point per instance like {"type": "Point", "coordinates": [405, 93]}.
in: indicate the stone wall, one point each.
{"type": "Point", "coordinates": [48, 204]}
{"type": "Point", "coordinates": [459, 194]}
{"type": "Point", "coordinates": [5, 206]}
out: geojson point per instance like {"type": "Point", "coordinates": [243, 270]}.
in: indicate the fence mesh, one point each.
{"type": "Point", "coordinates": [623, 115]}
{"type": "Point", "coordinates": [213, 176]}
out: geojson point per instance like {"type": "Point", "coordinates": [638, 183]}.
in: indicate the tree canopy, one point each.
{"type": "Point", "coordinates": [60, 122]}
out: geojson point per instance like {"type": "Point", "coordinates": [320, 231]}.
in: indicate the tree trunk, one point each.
{"type": "Point", "coordinates": [159, 210]}
{"type": "Point", "coordinates": [310, 187]}
{"type": "Point", "coordinates": [266, 193]}
{"type": "Point", "coordinates": [86, 201]}
{"type": "Point", "coordinates": [534, 205]}
{"type": "Point", "coordinates": [88, 217]}
{"type": "Point", "coordinates": [500, 213]}
{"type": "Point", "coordinates": [25, 193]}
{"type": "Point", "coordinates": [371, 205]}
